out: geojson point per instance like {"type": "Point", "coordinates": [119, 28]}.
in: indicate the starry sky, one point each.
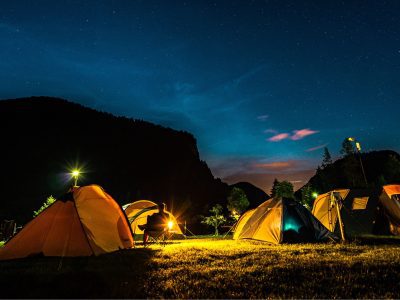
{"type": "Point", "coordinates": [262, 85]}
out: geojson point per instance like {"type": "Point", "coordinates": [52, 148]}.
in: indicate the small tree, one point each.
{"type": "Point", "coordinates": [307, 196]}
{"type": "Point", "coordinates": [274, 185]}
{"type": "Point", "coordinates": [326, 159]}
{"type": "Point", "coordinates": [347, 148]}
{"type": "Point", "coordinates": [284, 189]}
{"type": "Point", "coordinates": [237, 202]}
{"type": "Point", "coordinates": [216, 219]}
{"type": "Point", "coordinates": [50, 200]}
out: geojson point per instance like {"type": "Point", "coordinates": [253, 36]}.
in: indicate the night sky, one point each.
{"type": "Point", "coordinates": [262, 85]}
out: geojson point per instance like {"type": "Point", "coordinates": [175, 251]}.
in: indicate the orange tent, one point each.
{"type": "Point", "coordinates": [86, 221]}
{"type": "Point", "coordinates": [390, 199]}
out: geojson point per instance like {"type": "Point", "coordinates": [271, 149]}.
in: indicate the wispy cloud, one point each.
{"type": "Point", "coordinates": [262, 118]}
{"type": "Point", "coordinates": [262, 172]}
{"type": "Point", "coordinates": [316, 148]}
{"type": "Point", "coordinates": [273, 131]}
{"type": "Point", "coordinates": [302, 133]}
{"type": "Point", "coordinates": [282, 165]}
{"type": "Point", "coordinates": [278, 137]}
{"type": "Point", "coordinates": [275, 165]}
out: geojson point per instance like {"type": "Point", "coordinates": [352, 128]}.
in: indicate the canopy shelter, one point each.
{"type": "Point", "coordinates": [280, 220]}
{"type": "Point", "coordinates": [390, 201]}
{"type": "Point", "coordinates": [86, 221]}
{"type": "Point", "coordinates": [362, 211]}
{"type": "Point", "coordinates": [138, 211]}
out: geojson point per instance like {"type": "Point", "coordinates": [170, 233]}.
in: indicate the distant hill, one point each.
{"type": "Point", "coordinates": [43, 138]}
{"type": "Point", "coordinates": [381, 167]}
{"type": "Point", "coordinates": [255, 195]}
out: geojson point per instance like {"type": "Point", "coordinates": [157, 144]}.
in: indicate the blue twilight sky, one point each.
{"type": "Point", "coordinates": [263, 85]}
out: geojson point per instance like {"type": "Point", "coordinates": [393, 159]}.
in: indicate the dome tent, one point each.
{"type": "Point", "coordinates": [138, 211]}
{"type": "Point", "coordinates": [281, 220]}
{"type": "Point", "coordinates": [86, 221]}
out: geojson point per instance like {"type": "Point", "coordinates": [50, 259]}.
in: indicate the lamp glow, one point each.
{"type": "Point", "coordinates": [75, 174]}
{"type": "Point", "coordinates": [170, 225]}
{"type": "Point", "coordinates": [315, 195]}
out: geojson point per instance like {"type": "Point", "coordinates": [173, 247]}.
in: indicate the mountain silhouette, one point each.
{"type": "Point", "coordinates": [44, 138]}
{"type": "Point", "coordinates": [255, 195]}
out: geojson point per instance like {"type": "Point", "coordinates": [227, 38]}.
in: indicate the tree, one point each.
{"type": "Point", "coordinates": [274, 185]}
{"type": "Point", "coordinates": [50, 200]}
{"type": "Point", "coordinates": [237, 202]}
{"type": "Point", "coordinates": [216, 219]}
{"type": "Point", "coordinates": [347, 147]}
{"type": "Point", "coordinates": [307, 196]}
{"type": "Point", "coordinates": [284, 189]}
{"type": "Point", "coordinates": [327, 158]}
{"type": "Point", "coordinates": [392, 168]}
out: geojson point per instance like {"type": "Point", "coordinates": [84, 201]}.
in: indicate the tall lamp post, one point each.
{"type": "Point", "coordinates": [358, 148]}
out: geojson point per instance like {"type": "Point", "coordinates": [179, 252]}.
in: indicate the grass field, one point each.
{"type": "Point", "coordinates": [210, 268]}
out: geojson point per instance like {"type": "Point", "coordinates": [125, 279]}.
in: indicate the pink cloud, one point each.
{"type": "Point", "coordinates": [316, 148]}
{"type": "Point", "coordinates": [278, 137]}
{"type": "Point", "coordinates": [302, 133]}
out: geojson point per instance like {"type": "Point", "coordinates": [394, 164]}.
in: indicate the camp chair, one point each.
{"type": "Point", "coordinates": [156, 237]}
{"type": "Point", "coordinates": [159, 237]}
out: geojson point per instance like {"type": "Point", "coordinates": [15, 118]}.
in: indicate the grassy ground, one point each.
{"type": "Point", "coordinates": [209, 268]}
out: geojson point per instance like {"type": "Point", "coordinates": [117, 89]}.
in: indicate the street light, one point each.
{"type": "Point", "coordinates": [358, 147]}
{"type": "Point", "coordinates": [75, 174]}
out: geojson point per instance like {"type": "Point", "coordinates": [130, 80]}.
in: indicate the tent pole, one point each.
{"type": "Point", "coordinates": [230, 229]}
{"type": "Point", "coordinates": [339, 216]}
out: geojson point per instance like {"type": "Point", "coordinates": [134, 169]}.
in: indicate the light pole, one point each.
{"type": "Point", "coordinates": [358, 148]}
{"type": "Point", "coordinates": [75, 175]}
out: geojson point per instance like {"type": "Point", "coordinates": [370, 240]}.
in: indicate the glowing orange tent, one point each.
{"type": "Point", "coordinates": [390, 199]}
{"type": "Point", "coordinates": [86, 221]}
{"type": "Point", "coordinates": [138, 211]}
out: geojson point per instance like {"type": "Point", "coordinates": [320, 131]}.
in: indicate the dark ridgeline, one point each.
{"type": "Point", "coordinates": [131, 159]}
{"type": "Point", "coordinates": [381, 167]}
{"type": "Point", "coordinates": [255, 195]}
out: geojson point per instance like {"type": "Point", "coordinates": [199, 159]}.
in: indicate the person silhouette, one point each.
{"type": "Point", "coordinates": [156, 222]}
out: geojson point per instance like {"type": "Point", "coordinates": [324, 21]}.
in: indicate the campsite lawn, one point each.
{"type": "Point", "coordinates": [212, 268]}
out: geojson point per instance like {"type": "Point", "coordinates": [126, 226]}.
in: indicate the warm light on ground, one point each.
{"type": "Point", "coordinates": [215, 268]}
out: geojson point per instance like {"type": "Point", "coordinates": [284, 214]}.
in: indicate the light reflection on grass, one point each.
{"type": "Point", "coordinates": [248, 269]}
{"type": "Point", "coordinates": [215, 268]}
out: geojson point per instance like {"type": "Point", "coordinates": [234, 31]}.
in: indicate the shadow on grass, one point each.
{"type": "Point", "coordinates": [115, 275]}
{"type": "Point", "coordinates": [375, 240]}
